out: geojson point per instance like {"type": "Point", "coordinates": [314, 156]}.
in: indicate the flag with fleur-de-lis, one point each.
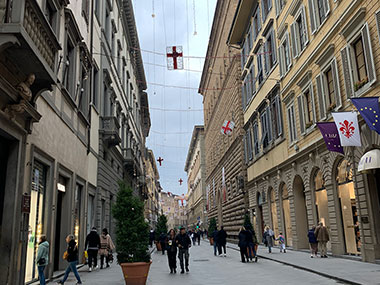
{"type": "Point", "coordinates": [348, 128]}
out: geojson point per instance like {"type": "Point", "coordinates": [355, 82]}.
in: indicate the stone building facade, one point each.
{"type": "Point", "coordinates": [195, 168]}
{"type": "Point", "coordinates": [220, 87]}
{"type": "Point", "coordinates": [169, 205]}
{"type": "Point", "coordinates": [302, 61]}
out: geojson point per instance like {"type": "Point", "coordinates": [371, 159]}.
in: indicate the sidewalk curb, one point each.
{"type": "Point", "coordinates": [306, 269]}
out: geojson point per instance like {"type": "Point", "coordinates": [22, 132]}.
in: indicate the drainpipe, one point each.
{"type": "Point", "coordinates": [91, 77]}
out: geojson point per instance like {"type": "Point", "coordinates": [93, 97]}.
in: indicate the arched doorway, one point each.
{"type": "Point", "coordinates": [347, 199]}
{"type": "Point", "coordinates": [260, 217]}
{"type": "Point", "coordinates": [300, 213]}
{"type": "Point", "coordinates": [273, 211]}
{"type": "Point", "coordinates": [287, 225]}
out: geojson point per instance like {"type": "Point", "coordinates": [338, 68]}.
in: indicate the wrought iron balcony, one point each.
{"type": "Point", "coordinates": [110, 130]}
{"type": "Point", "coordinates": [29, 44]}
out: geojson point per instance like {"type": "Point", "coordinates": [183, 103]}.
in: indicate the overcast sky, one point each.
{"type": "Point", "coordinates": [185, 23]}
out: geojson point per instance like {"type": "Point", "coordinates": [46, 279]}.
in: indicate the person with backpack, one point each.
{"type": "Point", "coordinates": [42, 258]}
{"type": "Point", "coordinates": [71, 255]}
{"type": "Point", "coordinates": [92, 245]}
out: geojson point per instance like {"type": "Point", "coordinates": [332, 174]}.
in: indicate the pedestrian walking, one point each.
{"type": "Point", "coordinates": [243, 244]}
{"type": "Point", "coordinates": [162, 240]}
{"type": "Point", "coordinates": [199, 237]}
{"type": "Point", "coordinates": [215, 238]}
{"type": "Point", "coordinates": [222, 241]}
{"type": "Point", "coordinates": [172, 251]}
{"type": "Point", "coordinates": [92, 246]}
{"type": "Point", "coordinates": [71, 255]}
{"type": "Point", "coordinates": [184, 243]}
{"type": "Point", "coordinates": [42, 259]}
{"type": "Point", "coordinates": [281, 241]}
{"type": "Point", "coordinates": [322, 235]}
{"type": "Point", "coordinates": [193, 236]}
{"type": "Point", "coordinates": [268, 238]}
{"type": "Point", "coordinates": [151, 237]}
{"type": "Point", "coordinates": [106, 248]}
{"type": "Point", "coordinates": [313, 242]}
{"type": "Point", "coordinates": [251, 244]}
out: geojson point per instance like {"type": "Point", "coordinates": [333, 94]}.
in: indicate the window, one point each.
{"type": "Point", "coordinates": [95, 88]}
{"type": "Point", "coordinates": [69, 77]}
{"type": "Point", "coordinates": [249, 39]}
{"type": "Point", "coordinates": [83, 92]}
{"type": "Point", "coordinates": [284, 54]}
{"type": "Point", "coordinates": [244, 55]}
{"type": "Point", "coordinates": [248, 144]}
{"type": "Point", "coordinates": [124, 74]}
{"type": "Point", "coordinates": [256, 24]}
{"type": "Point", "coordinates": [299, 33]}
{"type": "Point", "coordinates": [260, 72]}
{"type": "Point", "coordinates": [276, 116]}
{"type": "Point", "coordinates": [328, 89]}
{"type": "Point", "coordinates": [266, 131]}
{"type": "Point", "coordinates": [86, 10]}
{"type": "Point", "coordinates": [51, 15]}
{"type": "Point", "coordinates": [113, 43]}
{"type": "Point", "coordinates": [97, 8]}
{"type": "Point", "coordinates": [266, 6]}
{"type": "Point", "coordinates": [292, 123]}
{"type": "Point", "coordinates": [279, 6]}
{"type": "Point", "coordinates": [306, 108]}
{"type": "Point", "coordinates": [77, 211]}
{"type": "Point", "coordinates": [318, 10]}
{"type": "Point", "coordinates": [119, 50]}
{"type": "Point", "coordinates": [108, 24]}
{"type": "Point", "coordinates": [270, 52]}
{"type": "Point", "coordinates": [256, 143]}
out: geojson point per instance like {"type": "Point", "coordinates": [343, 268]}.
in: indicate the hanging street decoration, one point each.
{"type": "Point", "coordinates": [331, 136]}
{"type": "Point", "coordinates": [368, 108]}
{"type": "Point", "coordinates": [174, 56]}
{"type": "Point", "coordinates": [180, 181]}
{"type": "Point", "coordinates": [348, 128]}
{"type": "Point", "coordinates": [227, 128]}
{"type": "Point", "coordinates": [160, 160]}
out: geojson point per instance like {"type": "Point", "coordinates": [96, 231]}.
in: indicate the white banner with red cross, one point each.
{"type": "Point", "coordinates": [227, 127]}
{"type": "Point", "coordinates": [174, 57]}
{"type": "Point", "coordinates": [348, 128]}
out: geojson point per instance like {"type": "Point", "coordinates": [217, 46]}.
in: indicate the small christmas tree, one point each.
{"type": "Point", "coordinates": [132, 232]}
{"type": "Point", "coordinates": [162, 226]}
{"type": "Point", "coordinates": [212, 226]}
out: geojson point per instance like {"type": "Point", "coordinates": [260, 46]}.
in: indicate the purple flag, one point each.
{"type": "Point", "coordinates": [331, 136]}
{"type": "Point", "coordinates": [368, 108]}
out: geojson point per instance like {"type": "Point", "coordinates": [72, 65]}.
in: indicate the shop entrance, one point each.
{"type": "Point", "coordinates": [287, 226]}
{"type": "Point", "coordinates": [347, 198]}
{"type": "Point", "coordinates": [273, 209]}
{"type": "Point", "coordinates": [59, 243]}
{"type": "Point", "coordinates": [260, 214]}
{"type": "Point", "coordinates": [300, 213]}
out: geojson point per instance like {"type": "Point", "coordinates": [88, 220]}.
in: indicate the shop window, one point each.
{"type": "Point", "coordinates": [349, 211]}
{"type": "Point", "coordinates": [299, 33]}
{"type": "Point", "coordinates": [328, 89]}
{"type": "Point", "coordinates": [321, 201]}
{"type": "Point", "coordinates": [36, 217]}
{"type": "Point", "coordinates": [358, 63]}
{"type": "Point", "coordinates": [77, 211]}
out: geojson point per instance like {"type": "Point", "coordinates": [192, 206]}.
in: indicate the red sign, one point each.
{"type": "Point", "coordinates": [25, 205]}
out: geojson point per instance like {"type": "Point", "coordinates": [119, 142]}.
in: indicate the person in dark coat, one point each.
{"type": "Point", "coordinates": [215, 237]}
{"type": "Point", "coordinates": [92, 246]}
{"type": "Point", "coordinates": [268, 237]}
{"type": "Point", "coordinates": [171, 247]}
{"type": "Point", "coordinates": [251, 244]}
{"type": "Point", "coordinates": [184, 243]}
{"type": "Point", "coordinates": [72, 259]}
{"type": "Point", "coordinates": [243, 244]}
{"type": "Point", "coordinates": [322, 235]}
{"type": "Point", "coordinates": [222, 240]}
{"type": "Point", "coordinates": [199, 237]}
{"type": "Point", "coordinates": [162, 239]}
{"type": "Point", "coordinates": [313, 242]}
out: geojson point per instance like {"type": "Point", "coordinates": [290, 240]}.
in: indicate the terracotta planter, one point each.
{"type": "Point", "coordinates": [211, 241]}
{"type": "Point", "coordinates": [135, 273]}
{"type": "Point", "coordinates": [158, 246]}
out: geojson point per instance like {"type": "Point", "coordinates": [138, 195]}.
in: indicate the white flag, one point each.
{"type": "Point", "coordinates": [348, 128]}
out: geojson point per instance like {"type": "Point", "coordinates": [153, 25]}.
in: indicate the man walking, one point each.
{"type": "Point", "coordinates": [215, 237]}
{"type": "Point", "coordinates": [92, 245]}
{"type": "Point", "coordinates": [322, 235]}
{"type": "Point", "coordinates": [184, 243]}
{"type": "Point", "coordinates": [222, 240]}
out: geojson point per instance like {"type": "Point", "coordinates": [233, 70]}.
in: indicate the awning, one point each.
{"type": "Point", "coordinates": [370, 160]}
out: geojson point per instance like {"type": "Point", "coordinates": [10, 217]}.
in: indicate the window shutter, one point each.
{"type": "Point", "coordinates": [312, 102]}
{"type": "Point", "coordinates": [312, 16]}
{"type": "Point", "coordinates": [269, 4]}
{"type": "Point", "coordinates": [301, 113]}
{"type": "Point", "coordinates": [243, 96]}
{"type": "Point", "coordinates": [279, 115]}
{"type": "Point", "coordinates": [327, 7]}
{"type": "Point", "coordinates": [290, 53]}
{"type": "Point", "coordinates": [281, 54]}
{"type": "Point", "coordinates": [258, 19]}
{"type": "Point", "coordinates": [347, 72]}
{"type": "Point", "coordinates": [303, 13]}
{"type": "Point", "coordinates": [277, 6]}
{"type": "Point", "coordinates": [245, 149]}
{"type": "Point", "coordinates": [269, 124]}
{"type": "Point", "coordinates": [263, 10]}
{"type": "Point", "coordinates": [250, 153]}
{"type": "Point", "coordinates": [338, 98]}
{"type": "Point", "coordinates": [253, 80]}
{"type": "Point", "coordinates": [294, 39]}
{"type": "Point", "coordinates": [321, 96]}
{"type": "Point", "coordinates": [274, 49]}
{"type": "Point", "coordinates": [266, 57]}
{"type": "Point", "coordinates": [378, 23]}
{"type": "Point", "coordinates": [368, 54]}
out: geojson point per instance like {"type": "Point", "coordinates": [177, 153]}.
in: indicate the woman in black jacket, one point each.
{"type": "Point", "coordinates": [171, 247]}
{"type": "Point", "coordinates": [72, 259]}
{"type": "Point", "coordinates": [243, 243]}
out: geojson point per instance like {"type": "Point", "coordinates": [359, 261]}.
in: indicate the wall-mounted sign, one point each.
{"type": "Point", "coordinates": [25, 204]}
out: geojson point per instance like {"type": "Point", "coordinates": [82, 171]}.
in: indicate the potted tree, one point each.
{"type": "Point", "coordinates": [211, 229]}
{"type": "Point", "coordinates": [132, 236]}
{"type": "Point", "coordinates": [162, 227]}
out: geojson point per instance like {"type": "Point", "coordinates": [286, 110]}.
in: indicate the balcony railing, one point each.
{"type": "Point", "coordinates": [110, 130]}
